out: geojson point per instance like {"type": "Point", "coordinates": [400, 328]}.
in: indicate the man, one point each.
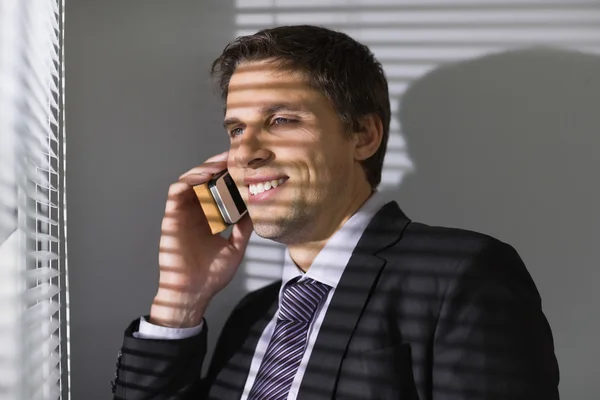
{"type": "Point", "coordinates": [371, 305]}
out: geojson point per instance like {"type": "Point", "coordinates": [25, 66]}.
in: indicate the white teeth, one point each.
{"type": "Point", "coordinates": [264, 186]}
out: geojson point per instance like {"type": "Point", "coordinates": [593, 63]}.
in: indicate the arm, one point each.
{"type": "Point", "coordinates": [493, 340]}
{"type": "Point", "coordinates": [176, 376]}
{"type": "Point", "coordinates": [160, 369]}
{"type": "Point", "coordinates": [194, 265]}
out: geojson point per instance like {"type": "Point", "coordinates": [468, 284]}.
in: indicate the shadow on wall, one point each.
{"type": "Point", "coordinates": [509, 139]}
{"type": "Point", "coordinates": [508, 145]}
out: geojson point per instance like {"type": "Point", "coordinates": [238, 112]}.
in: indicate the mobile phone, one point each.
{"type": "Point", "coordinates": [221, 201]}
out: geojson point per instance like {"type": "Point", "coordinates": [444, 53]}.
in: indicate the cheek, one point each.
{"type": "Point", "coordinates": [332, 158]}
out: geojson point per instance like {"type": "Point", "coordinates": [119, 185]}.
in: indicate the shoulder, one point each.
{"type": "Point", "coordinates": [414, 238]}
{"type": "Point", "coordinates": [434, 245]}
{"type": "Point", "coordinates": [463, 247]}
{"type": "Point", "coordinates": [431, 264]}
{"type": "Point", "coordinates": [447, 256]}
{"type": "Point", "coordinates": [449, 241]}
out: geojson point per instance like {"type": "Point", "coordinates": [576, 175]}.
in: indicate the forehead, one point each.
{"type": "Point", "coordinates": [257, 84]}
{"type": "Point", "coordinates": [265, 72]}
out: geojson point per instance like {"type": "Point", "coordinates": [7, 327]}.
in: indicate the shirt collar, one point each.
{"type": "Point", "coordinates": [331, 261]}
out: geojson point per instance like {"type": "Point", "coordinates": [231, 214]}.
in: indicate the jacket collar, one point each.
{"type": "Point", "coordinates": [346, 307]}
{"type": "Point", "coordinates": [349, 301]}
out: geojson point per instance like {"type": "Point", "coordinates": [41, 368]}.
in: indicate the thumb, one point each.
{"type": "Point", "coordinates": [240, 234]}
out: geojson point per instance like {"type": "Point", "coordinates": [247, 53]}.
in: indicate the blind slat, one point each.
{"type": "Point", "coordinates": [44, 255]}
{"type": "Point", "coordinates": [41, 273]}
{"type": "Point", "coordinates": [47, 220]}
{"type": "Point", "coordinates": [44, 357]}
{"type": "Point", "coordinates": [43, 291]}
{"type": "Point", "coordinates": [40, 311]}
{"type": "Point", "coordinates": [40, 198]}
{"type": "Point", "coordinates": [43, 335]}
{"type": "Point", "coordinates": [38, 128]}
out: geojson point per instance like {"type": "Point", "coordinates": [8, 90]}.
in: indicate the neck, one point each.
{"type": "Point", "coordinates": [303, 254]}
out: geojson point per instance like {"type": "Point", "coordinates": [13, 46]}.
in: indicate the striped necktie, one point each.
{"type": "Point", "coordinates": [299, 303]}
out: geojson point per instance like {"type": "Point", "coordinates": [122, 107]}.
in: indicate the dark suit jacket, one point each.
{"type": "Point", "coordinates": [420, 312]}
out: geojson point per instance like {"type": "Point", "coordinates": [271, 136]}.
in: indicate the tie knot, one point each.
{"type": "Point", "coordinates": [300, 300]}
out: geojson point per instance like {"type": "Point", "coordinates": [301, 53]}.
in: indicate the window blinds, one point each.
{"type": "Point", "coordinates": [34, 341]}
{"type": "Point", "coordinates": [411, 38]}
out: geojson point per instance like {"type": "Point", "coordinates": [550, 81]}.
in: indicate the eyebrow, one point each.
{"type": "Point", "coordinates": [270, 109]}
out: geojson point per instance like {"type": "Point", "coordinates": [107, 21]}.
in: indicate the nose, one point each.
{"type": "Point", "coordinates": [249, 151]}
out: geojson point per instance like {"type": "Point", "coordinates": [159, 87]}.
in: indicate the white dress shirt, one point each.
{"type": "Point", "coordinates": [327, 268]}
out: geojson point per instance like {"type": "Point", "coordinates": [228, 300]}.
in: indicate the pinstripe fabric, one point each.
{"type": "Point", "coordinates": [299, 303]}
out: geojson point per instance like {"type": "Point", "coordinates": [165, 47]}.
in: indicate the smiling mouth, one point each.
{"type": "Point", "coordinates": [265, 186]}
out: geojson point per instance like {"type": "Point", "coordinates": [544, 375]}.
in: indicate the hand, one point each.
{"type": "Point", "coordinates": [194, 264]}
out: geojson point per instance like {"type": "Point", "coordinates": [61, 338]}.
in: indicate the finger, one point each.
{"type": "Point", "coordinates": [196, 179]}
{"type": "Point", "coordinates": [207, 169]}
{"type": "Point", "coordinates": [179, 193]}
{"type": "Point", "coordinates": [177, 188]}
{"type": "Point", "coordinates": [240, 234]}
{"type": "Point", "coordinates": [219, 157]}
{"type": "Point", "coordinates": [179, 198]}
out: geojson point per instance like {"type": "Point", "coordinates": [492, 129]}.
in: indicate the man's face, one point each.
{"type": "Point", "coordinates": [289, 154]}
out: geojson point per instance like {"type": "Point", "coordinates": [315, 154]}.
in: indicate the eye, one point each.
{"type": "Point", "coordinates": [282, 121]}
{"type": "Point", "coordinates": [236, 132]}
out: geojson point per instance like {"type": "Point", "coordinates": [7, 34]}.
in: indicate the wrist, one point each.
{"type": "Point", "coordinates": [177, 310]}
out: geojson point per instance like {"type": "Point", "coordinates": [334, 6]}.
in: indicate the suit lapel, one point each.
{"type": "Point", "coordinates": [348, 302]}
{"type": "Point", "coordinates": [230, 382]}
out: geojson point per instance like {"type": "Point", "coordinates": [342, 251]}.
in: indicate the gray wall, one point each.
{"type": "Point", "coordinates": [140, 111]}
{"type": "Point", "coordinates": [503, 144]}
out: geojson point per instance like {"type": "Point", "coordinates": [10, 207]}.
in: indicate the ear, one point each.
{"type": "Point", "coordinates": [368, 138]}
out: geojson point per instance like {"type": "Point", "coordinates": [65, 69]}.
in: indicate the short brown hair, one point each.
{"type": "Point", "coordinates": [345, 71]}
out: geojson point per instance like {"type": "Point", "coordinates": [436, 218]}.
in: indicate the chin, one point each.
{"type": "Point", "coordinates": [268, 230]}
{"type": "Point", "coordinates": [283, 227]}
{"type": "Point", "coordinates": [278, 231]}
